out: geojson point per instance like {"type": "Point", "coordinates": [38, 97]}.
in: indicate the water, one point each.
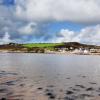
{"type": "Point", "coordinates": [53, 71]}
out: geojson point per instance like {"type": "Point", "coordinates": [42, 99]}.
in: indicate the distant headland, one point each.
{"type": "Point", "coordinates": [65, 47]}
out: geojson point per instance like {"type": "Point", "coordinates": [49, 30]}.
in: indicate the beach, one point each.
{"type": "Point", "coordinates": [22, 78]}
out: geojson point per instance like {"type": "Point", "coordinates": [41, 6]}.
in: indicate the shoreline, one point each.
{"type": "Point", "coordinates": [66, 53]}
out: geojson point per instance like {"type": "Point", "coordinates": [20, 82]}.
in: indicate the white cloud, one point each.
{"type": "Point", "coordinates": [28, 29]}
{"type": "Point", "coordinates": [82, 11]}
{"type": "Point", "coordinates": [89, 35]}
{"type": "Point", "coordinates": [5, 39]}
{"type": "Point", "coordinates": [64, 35]}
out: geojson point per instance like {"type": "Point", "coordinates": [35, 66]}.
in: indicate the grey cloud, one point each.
{"type": "Point", "coordinates": [81, 11]}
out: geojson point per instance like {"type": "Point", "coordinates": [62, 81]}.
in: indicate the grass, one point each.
{"type": "Point", "coordinates": [49, 46]}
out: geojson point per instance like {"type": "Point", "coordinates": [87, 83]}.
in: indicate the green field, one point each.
{"type": "Point", "coordinates": [42, 45]}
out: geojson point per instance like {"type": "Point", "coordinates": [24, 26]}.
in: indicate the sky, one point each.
{"type": "Point", "coordinates": [39, 21]}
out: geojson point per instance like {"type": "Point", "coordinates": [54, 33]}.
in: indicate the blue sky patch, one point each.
{"type": "Point", "coordinates": [7, 2]}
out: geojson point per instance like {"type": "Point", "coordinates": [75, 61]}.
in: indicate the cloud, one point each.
{"type": "Point", "coordinates": [28, 29]}
{"type": "Point", "coordinates": [90, 35]}
{"type": "Point", "coordinates": [81, 11]}
{"type": "Point", "coordinates": [26, 20]}
{"type": "Point", "coordinates": [5, 39]}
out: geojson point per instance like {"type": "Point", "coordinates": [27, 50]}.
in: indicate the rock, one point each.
{"type": "Point", "coordinates": [90, 89]}
{"type": "Point", "coordinates": [92, 83]}
{"type": "Point", "coordinates": [10, 83]}
{"type": "Point", "coordinates": [81, 86]}
{"type": "Point", "coordinates": [3, 99]}
{"type": "Point", "coordinates": [3, 90]}
{"type": "Point", "coordinates": [51, 95]}
{"type": "Point", "coordinates": [69, 92]}
{"type": "Point", "coordinates": [82, 96]}
{"type": "Point", "coordinates": [40, 88]}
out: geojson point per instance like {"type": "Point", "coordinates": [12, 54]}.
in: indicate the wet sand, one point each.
{"type": "Point", "coordinates": [15, 87]}
{"type": "Point", "coordinates": [49, 77]}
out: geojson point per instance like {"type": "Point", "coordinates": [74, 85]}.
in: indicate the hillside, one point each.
{"type": "Point", "coordinates": [44, 47]}
{"type": "Point", "coordinates": [59, 45]}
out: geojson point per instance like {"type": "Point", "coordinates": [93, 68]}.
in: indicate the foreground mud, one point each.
{"type": "Point", "coordinates": [15, 87]}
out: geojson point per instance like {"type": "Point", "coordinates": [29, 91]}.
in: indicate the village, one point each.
{"type": "Point", "coordinates": [80, 51]}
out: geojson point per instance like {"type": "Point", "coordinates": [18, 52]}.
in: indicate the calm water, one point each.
{"type": "Point", "coordinates": [58, 71]}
